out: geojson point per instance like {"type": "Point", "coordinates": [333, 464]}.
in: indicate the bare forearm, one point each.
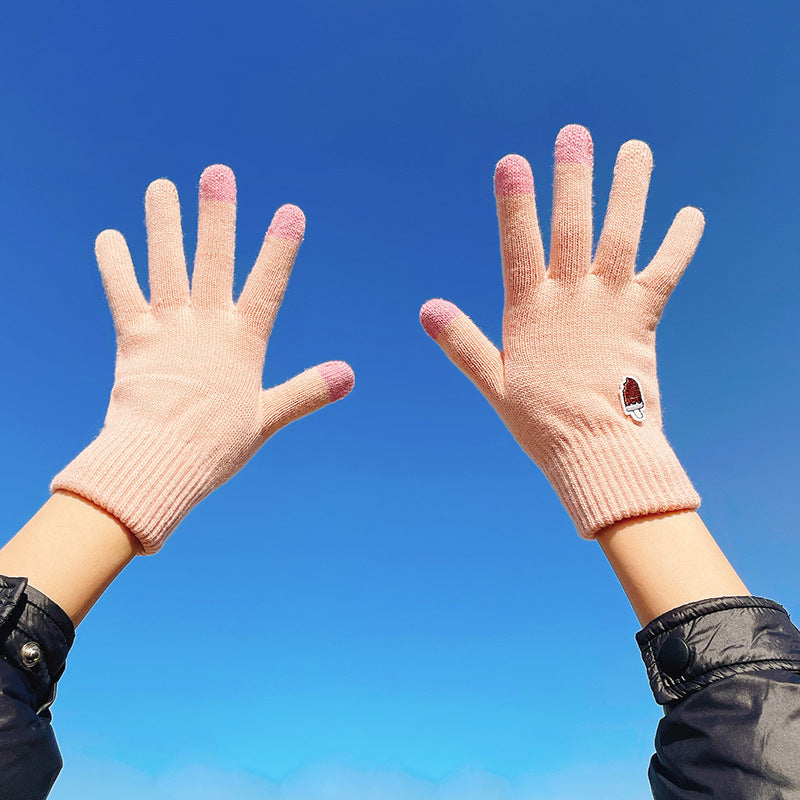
{"type": "Point", "coordinates": [667, 560]}
{"type": "Point", "coordinates": [70, 550]}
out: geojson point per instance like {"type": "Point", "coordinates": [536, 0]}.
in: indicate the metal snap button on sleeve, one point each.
{"type": "Point", "coordinates": [30, 653]}
{"type": "Point", "coordinates": [674, 656]}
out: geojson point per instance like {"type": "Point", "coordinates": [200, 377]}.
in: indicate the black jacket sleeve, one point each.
{"type": "Point", "coordinates": [727, 671]}
{"type": "Point", "coordinates": [35, 637]}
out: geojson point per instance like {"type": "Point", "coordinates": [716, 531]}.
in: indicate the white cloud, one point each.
{"type": "Point", "coordinates": [86, 778]}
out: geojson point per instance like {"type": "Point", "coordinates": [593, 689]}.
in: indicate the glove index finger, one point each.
{"type": "Point", "coordinates": [264, 288]}
{"type": "Point", "coordinates": [521, 245]}
{"type": "Point", "coordinates": [571, 230]}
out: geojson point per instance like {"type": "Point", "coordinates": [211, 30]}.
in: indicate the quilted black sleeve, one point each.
{"type": "Point", "coordinates": [727, 671]}
{"type": "Point", "coordinates": [35, 637]}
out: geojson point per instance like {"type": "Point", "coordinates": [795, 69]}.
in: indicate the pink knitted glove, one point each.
{"type": "Point", "coordinates": [187, 410]}
{"type": "Point", "coordinates": [576, 380]}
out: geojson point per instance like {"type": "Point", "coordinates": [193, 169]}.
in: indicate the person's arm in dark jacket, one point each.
{"type": "Point", "coordinates": [67, 555]}
{"type": "Point", "coordinates": [727, 671]}
{"type": "Point", "coordinates": [725, 665]}
{"type": "Point", "coordinates": [35, 637]}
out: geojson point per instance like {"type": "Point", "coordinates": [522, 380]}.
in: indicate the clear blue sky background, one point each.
{"type": "Point", "coordinates": [389, 600]}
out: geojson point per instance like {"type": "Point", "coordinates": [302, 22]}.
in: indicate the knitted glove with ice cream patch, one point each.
{"type": "Point", "coordinates": [575, 381]}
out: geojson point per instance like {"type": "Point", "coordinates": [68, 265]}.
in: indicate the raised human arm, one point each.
{"type": "Point", "coordinates": [187, 409]}
{"type": "Point", "coordinates": [575, 382]}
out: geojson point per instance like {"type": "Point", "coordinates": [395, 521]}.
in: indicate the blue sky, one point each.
{"type": "Point", "coordinates": [389, 600]}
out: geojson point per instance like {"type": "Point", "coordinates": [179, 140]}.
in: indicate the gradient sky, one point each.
{"type": "Point", "coordinates": [389, 600]}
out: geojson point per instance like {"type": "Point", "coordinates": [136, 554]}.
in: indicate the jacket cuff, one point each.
{"type": "Point", "coordinates": [696, 644]}
{"type": "Point", "coordinates": [35, 636]}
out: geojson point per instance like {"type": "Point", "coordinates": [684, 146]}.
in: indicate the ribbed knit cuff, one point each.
{"type": "Point", "coordinates": [148, 481]}
{"type": "Point", "coordinates": [618, 472]}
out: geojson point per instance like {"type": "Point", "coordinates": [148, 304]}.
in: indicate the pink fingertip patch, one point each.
{"type": "Point", "coordinates": [289, 223]}
{"type": "Point", "coordinates": [436, 315]}
{"type": "Point", "coordinates": [218, 183]}
{"type": "Point", "coordinates": [574, 146]}
{"type": "Point", "coordinates": [513, 175]}
{"type": "Point", "coordinates": [339, 378]}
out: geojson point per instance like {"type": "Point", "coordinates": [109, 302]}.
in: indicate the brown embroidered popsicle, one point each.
{"type": "Point", "coordinates": [632, 401]}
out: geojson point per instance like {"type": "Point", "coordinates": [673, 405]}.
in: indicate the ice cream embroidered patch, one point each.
{"type": "Point", "coordinates": [630, 394]}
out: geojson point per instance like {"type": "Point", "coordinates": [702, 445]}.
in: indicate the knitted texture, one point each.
{"type": "Point", "coordinates": [187, 409]}
{"type": "Point", "coordinates": [576, 380]}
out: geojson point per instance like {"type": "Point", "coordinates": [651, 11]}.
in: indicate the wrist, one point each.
{"type": "Point", "coordinates": [71, 551]}
{"type": "Point", "coordinates": [668, 560]}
